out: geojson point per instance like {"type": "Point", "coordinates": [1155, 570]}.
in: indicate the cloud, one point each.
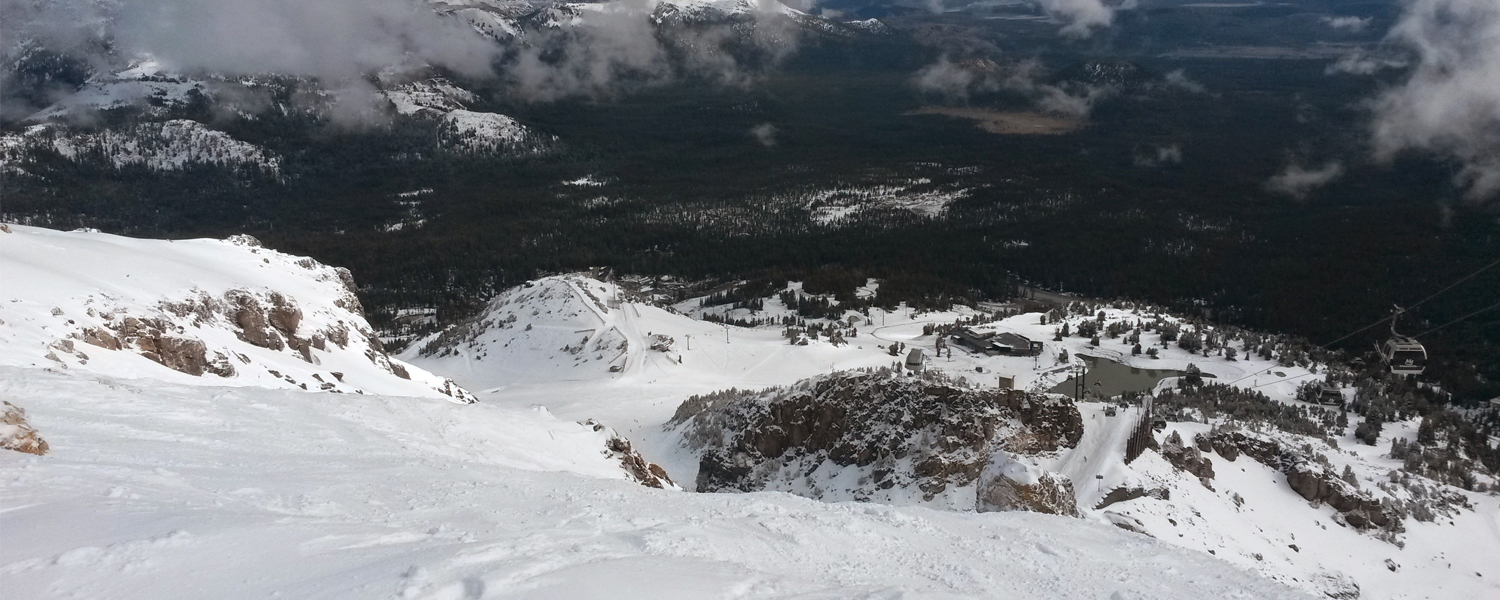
{"type": "Point", "coordinates": [956, 81]}
{"type": "Point", "coordinates": [1080, 17]}
{"type": "Point", "coordinates": [1449, 105]}
{"type": "Point", "coordinates": [1160, 155]}
{"type": "Point", "coordinates": [1179, 79]}
{"type": "Point", "coordinates": [1359, 63]}
{"type": "Point", "coordinates": [1297, 182]}
{"type": "Point", "coordinates": [340, 43]}
{"type": "Point", "coordinates": [1352, 24]}
{"type": "Point", "coordinates": [328, 39]}
{"type": "Point", "coordinates": [617, 46]}
{"type": "Point", "coordinates": [765, 133]}
{"type": "Point", "coordinates": [1073, 100]}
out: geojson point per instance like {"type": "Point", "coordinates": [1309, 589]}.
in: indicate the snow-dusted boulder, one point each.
{"type": "Point", "coordinates": [1007, 484]}
{"type": "Point", "coordinates": [17, 434]}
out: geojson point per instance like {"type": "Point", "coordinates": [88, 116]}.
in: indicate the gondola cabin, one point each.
{"type": "Point", "coordinates": [1404, 355]}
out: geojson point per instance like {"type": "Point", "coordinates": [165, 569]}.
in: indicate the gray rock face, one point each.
{"type": "Point", "coordinates": [896, 431]}
{"type": "Point", "coordinates": [1187, 458]}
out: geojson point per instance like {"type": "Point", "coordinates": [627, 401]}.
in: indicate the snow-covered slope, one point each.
{"type": "Point", "coordinates": [142, 83]}
{"type": "Point", "coordinates": [554, 342]}
{"type": "Point", "coordinates": [157, 490]}
{"type": "Point", "coordinates": [206, 312]}
{"type": "Point", "coordinates": [465, 131]}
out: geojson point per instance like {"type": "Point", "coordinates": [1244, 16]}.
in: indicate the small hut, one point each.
{"type": "Point", "coordinates": [914, 360]}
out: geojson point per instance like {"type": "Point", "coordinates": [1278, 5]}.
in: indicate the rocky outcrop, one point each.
{"type": "Point", "coordinates": [17, 434]}
{"type": "Point", "coordinates": [268, 321]}
{"type": "Point", "coordinates": [1126, 522]}
{"type": "Point", "coordinates": [1127, 493]}
{"type": "Point", "coordinates": [1310, 478]}
{"type": "Point", "coordinates": [1007, 485]}
{"type": "Point", "coordinates": [1336, 585]}
{"type": "Point", "coordinates": [1187, 458]}
{"type": "Point", "coordinates": [161, 341]}
{"type": "Point", "coordinates": [899, 432]}
{"type": "Point", "coordinates": [1359, 510]}
{"type": "Point", "coordinates": [636, 466]}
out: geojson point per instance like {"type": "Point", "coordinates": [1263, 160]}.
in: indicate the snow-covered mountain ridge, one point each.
{"type": "Point", "coordinates": [154, 488]}
{"type": "Point", "coordinates": [204, 312]}
{"type": "Point", "coordinates": [161, 146]}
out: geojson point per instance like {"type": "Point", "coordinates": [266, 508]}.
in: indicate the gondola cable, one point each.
{"type": "Point", "coordinates": [1485, 309]}
{"type": "Point", "coordinates": [1384, 319]}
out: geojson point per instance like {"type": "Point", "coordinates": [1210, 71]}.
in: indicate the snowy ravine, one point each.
{"type": "Point", "coordinates": [158, 490]}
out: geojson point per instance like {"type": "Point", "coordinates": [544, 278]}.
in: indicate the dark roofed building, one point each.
{"type": "Point", "coordinates": [1013, 344]}
{"type": "Point", "coordinates": [973, 340]}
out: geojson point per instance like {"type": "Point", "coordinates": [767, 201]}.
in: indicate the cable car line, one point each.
{"type": "Point", "coordinates": [1398, 313]}
{"type": "Point", "coordinates": [1451, 285]}
{"type": "Point", "coordinates": [1487, 308]}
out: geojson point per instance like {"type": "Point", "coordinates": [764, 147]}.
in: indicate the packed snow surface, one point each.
{"type": "Point", "coordinates": [157, 490]}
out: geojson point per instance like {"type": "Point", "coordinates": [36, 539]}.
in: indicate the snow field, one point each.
{"type": "Point", "coordinates": [158, 490]}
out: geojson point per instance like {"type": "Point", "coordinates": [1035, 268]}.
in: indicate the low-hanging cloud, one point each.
{"type": "Point", "coordinates": [595, 50]}
{"type": "Point", "coordinates": [1449, 105]}
{"type": "Point", "coordinates": [956, 81]}
{"type": "Point", "coordinates": [1361, 63]}
{"type": "Point", "coordinates": [1080, 17]}
{"type": "Point", "coordinates": [328, 39]}
{"type": "Point", "coordinates": [1160, 155]}
{"type": "Point", "coordinates": [1349, 23]}
{"type": "Point", "coordinates": [1179, 79]}
{"type": "Point", "coordinates": [765, 134]}
{"type": "Point", "coordinates": [620, 45]}
{"type": "Point", "coordinates": [1298, 182]}
{"type": "Point", "coordinates": [339, 43]}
